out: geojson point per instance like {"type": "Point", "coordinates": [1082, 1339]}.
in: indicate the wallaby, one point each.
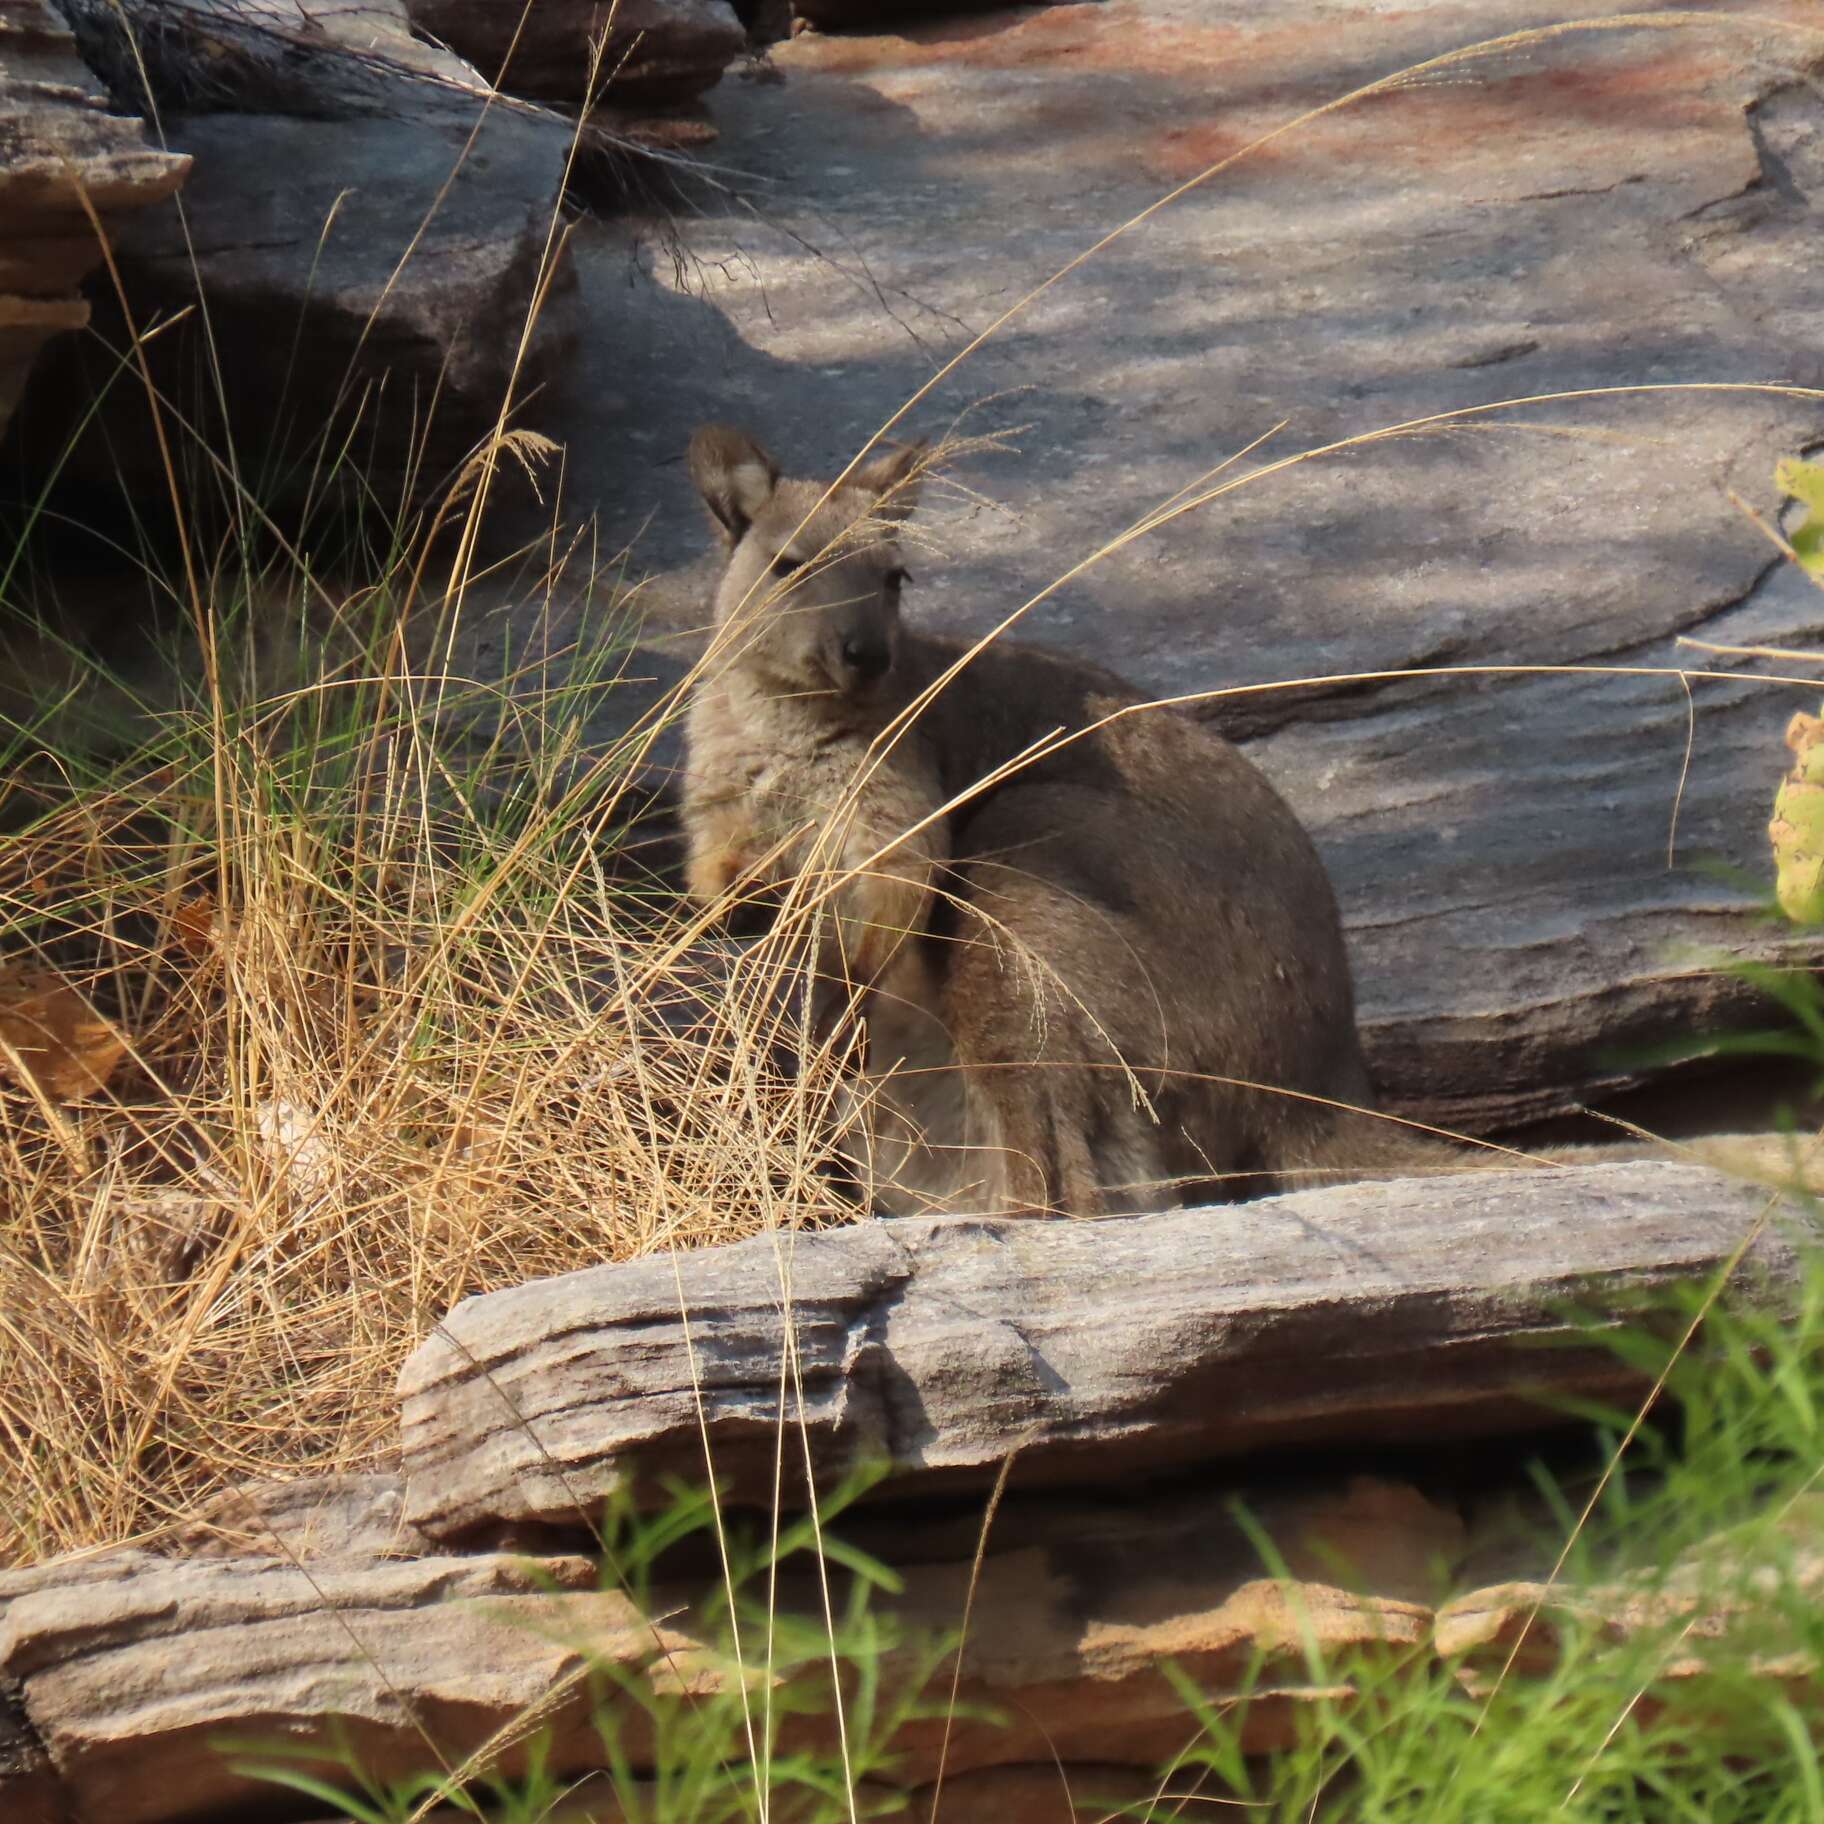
{"type": "Point", "coordinates": [1109, 977]}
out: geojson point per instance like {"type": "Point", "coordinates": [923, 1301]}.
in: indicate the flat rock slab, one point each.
{"type": "Point", "coordinates": [1414, 1310]}
{"type": "Point", "coordinates": [146, 1688]}
{"type": "Point", "coordinates": [1620, 208]}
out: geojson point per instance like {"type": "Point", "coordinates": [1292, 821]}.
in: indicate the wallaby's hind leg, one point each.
{"type": "Point", "coordinates": [1049, 1002]}
{"type": "Point", "coordinates": [907, 1107]}
{"type": "Point", "coordinates": [1050, 1150]}
{"type": "Point", "coordinates": [1132, 1167]}
{"type": "Point", "coordinates": [1029, 1137]}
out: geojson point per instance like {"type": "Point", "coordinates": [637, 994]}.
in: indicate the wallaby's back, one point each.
{"type": "Point", "coordinates": [1177, 905]}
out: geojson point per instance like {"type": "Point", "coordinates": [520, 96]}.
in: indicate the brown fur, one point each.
{"type": "Point", "coordinates": [1096, 976]}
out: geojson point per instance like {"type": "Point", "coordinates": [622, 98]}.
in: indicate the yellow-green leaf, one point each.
{"type": "Point", "coordinates": [1802, 480]}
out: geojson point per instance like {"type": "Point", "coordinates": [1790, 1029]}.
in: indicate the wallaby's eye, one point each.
{"type": "Point", "coordinates": [785, 565]}
{"type": "Point", "coordinates": [896, 579]}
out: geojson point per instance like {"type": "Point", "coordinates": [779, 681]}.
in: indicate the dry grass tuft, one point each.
{"type": "Point", "coordinates": [326, 1006]}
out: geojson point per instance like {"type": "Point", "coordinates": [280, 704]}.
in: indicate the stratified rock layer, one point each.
{"type": "Point", "coordinates": [346, 293]}
{"type": "Point", "coordinates": [1401, 1312]}
{"type": "Point", "coordinates": [310, 1623]}
{"type": "Point", "coordinates": [60, 147]}
{"type": "Point", "coordinates": [130, 1667]}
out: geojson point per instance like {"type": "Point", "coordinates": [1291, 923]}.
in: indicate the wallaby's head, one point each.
{"type": "Point", "coordinates": [809, 602]}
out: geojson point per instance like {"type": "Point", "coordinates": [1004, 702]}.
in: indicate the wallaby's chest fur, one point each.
{"type": "Point", "coordinates": [786, 758]}
{"type": "Point", "coordinates": [782, 757]}
{"type": "Point", "coordinates": [767, 775]}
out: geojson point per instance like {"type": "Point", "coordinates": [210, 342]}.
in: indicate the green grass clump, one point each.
{"type": "Point", "coordinates": [1656, 1651]}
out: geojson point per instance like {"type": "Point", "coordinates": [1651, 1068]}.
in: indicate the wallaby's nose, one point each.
{"type": "Point", "coordinates": [867, 658]}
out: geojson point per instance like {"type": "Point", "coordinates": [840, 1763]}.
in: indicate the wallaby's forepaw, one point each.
{"type": "Point", "coordinates": [711, 874]}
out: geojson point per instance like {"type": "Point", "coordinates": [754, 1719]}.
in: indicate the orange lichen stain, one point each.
{"type": "Point", "coordinates": [1665, 95]}
{"type": "Point", "coordinates": [1207, 92]}
{"type": "Point", "coordinates": [1181, 153]}
{"type": "Point", "coordinates": [1104, 35]}
{"type": "Point", "coordinates": [1583, 117]}
{"type": "Point", "coordinates": [998, 41]}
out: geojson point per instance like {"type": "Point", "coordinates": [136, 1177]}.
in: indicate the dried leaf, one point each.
{"type": "Point", "coordinates": [53, 1035]}
{"type": "Point", "coordinates": [200, 926]}
{"type": "Point", "coordinates": [1797, 829]}
{"type": "Point", "coordinates": [297, 1146]}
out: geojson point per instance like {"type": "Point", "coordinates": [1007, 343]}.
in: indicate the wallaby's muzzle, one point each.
{"type": "Point", "coordinates": [866, 657]}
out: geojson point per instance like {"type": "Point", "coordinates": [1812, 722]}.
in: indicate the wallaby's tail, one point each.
{"type": "Point", "coordinates": [1356, 1147]}
{"type": "Point", "coordinates": [1349, 1146]}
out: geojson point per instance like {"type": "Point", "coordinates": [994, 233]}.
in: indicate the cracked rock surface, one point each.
{"type": "Point", "coordinates": [1521, 859]}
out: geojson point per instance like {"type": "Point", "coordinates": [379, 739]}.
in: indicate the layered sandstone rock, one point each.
{"type": "Point", "coordinates": [367, 241]}
{"type": "Point", "coordinates": [63, 155]}
{"type": "Point", "coordinates": [1393, 1313]}
{"type": "Point", "coordinates": [368, 1621]}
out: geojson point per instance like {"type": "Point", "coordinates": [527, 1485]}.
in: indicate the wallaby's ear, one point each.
{"type": "Point", "coordinates": [734, 475]}
{"type": "Point", "coordinates": [892, 476]}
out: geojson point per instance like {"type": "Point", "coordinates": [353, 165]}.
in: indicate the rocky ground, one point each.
{"type": "Point", "coordinates": [454, 1609]}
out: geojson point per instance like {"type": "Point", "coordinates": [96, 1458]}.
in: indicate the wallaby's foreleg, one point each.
{"type": "Point", "coordinates": [722, 849]}
{"type": "Point", "coordinates": [878, 905]}
{"type": "Point", "coordinates": [858, 875]}
{"type": "Point", "coordinates": [866, 881]}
